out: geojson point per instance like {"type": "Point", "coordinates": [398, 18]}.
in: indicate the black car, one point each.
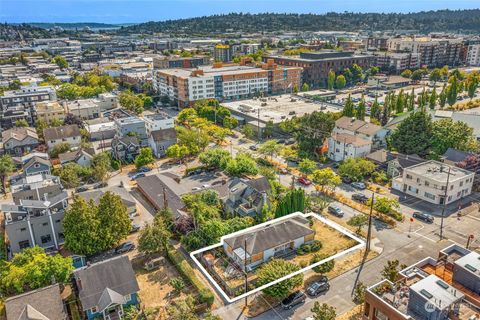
{"type": "Point", "coordinates": [253, 147]}
{"type": "Point", "coordinates": [82, 189]}
{"type": "Point", "coordinates": [125, 247]}
{"type": "Point", "coordinates": [423, 216]}
{"type": "Point", "coordinates": [346, 180]}
{"type": "Point", "coordinates": [144, 169]}
{"type": "Point", "coordinates": [100, 185]}
{"type": "Point", "coordinates": [319, 286]}
{"type": "Point", "coordinates": [359, 197]}
{"type": "Point", "coordinates": [138, 175]}
{"type": "Point", "coordinates": [135, 228]}
{"type": "Point", "coordinates": [293, 299]}
{"type": "Point", "coordinates": [336, 211]}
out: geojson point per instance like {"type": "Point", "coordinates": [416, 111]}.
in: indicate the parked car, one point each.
{"type": "Point", "coordinates": [138, 175]}
{"type": "Point", "coordinates": [281, 141]}
{"type": "Point", "coordinates": [135, 228]}
{"type": "Point", "coordinates": [319, 286]}
{"type": "Point", "coordinates": [336, 211]}
{"type": "Point", "coordinates": [346, 180]}
{"type": "Point", "coordinates": [144, 169]}
{"type": "Point", "coordinates": [253, 147]}
{"type": "Point", "coordinates": [289, 142]}
{"type": "Point", "coordinates": [82, 189]}
{"type": "Point", "coordinates": [359, 185]}
{"type": "Point", "coordinates": [423, 216]}
{"type": "Point", "coordinates": [283, 171]}
{"type": "Point", "coordinates": [125, 247]}
{"type": "Point", "coordinates": [336, 165]}
{"type": "Point", "coordinates": [100, 185]}
{"type": "Point", "coordinates": [359, 197]}
{"type": "Point", "coordinates": [304, 181]}
{"type": "Point", "coordinates": [293, 299]}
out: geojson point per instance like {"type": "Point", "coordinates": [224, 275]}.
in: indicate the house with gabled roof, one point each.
{"type": "Point", "coordinates": [37, 165]}
{"type": "Point", "coordinates": [18, 141]}
{"type": "Point", "coordinates": [247, 197]}
{"type": "Point", "coordinates": [41, 304]}
{"type": "Point", "coordinates": [69, 133]}
{"type": "Point", "coordinates": [105, 288]}
{"type": "Point", "coordinates": [249, 250]}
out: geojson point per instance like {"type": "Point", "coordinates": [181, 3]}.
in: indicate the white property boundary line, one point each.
{"type": "Point", "coordinates": [344, 231]}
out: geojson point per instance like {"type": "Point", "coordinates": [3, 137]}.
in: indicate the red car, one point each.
{"type": "Point", "coordinates": [304, 181]}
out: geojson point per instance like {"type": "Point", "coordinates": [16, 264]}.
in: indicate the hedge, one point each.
{"type": "Point", "coordinates": [184, 268]}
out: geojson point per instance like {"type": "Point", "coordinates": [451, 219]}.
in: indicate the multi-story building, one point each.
{"type": "Point", "coordinates": [20, 104]}
{"type": "Point", "coordinates": [185, 86]}
{"type": "Point", "coordinates": [48, 111]}
{"type": "Point", "coordinates": [179, 62]}
{"type": "Point", "coordinates": [377, 43]}
{"type": "Point", "coordinates": [434, 52]}
{"type": "Point", "coordinates": [397, 61]}
{"type": "Point", "coordinates": [473, 54]}
{"type": "Point", "coordinates": [133, 127]}
{"type": "Point", "coordinates": [35, 217]}
{"type": "Point", "coordinates": [69, 133]}
{"type": "Point", "coordinates": [435, 182]}
{"type": "Point", "coordinates": [88, 109]}
{"type": "Point", "coordinates": [18, 141]}
{"type": "Point", "coordinates": [223, 53]}
{"type": "Point", "coordinates": [353, 138]}
{"type": "Point", "coordinates": [447, 287]}
{"type": "Point", "coordinates": [316, 65]}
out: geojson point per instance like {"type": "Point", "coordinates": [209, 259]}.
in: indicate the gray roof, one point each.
{"type": "Point", "coordinates": [61, 132]}
{"type": "Point", "coordinates": [110, 297]}
{"type": "Point", "coordinates": [272, 235]}
{"type": "Point", "coordinates": [437, 292]}
{"type": "Point", "coordinates": [36, 159]}
{"type": "Point", "coordinates": [74, 155]}
{"type": "Point", "coordinates": [164, 134]}
{"type": "Point", "coordinates": [44, 303]}
{"type": "Point", "coordinates": [95, 195]}
{"type": "Point", "coordinates": [116, 274]}
{"type": "Point", "coordinates": [470, 262]}
{"type": "Point", "coordinates": [455, 155]}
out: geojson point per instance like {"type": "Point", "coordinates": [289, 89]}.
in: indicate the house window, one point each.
{"type": "Point", "coordinates": [427, 183]}
{"type": "Point", "coordinates": [94, 310]}
{"type": "Point", "coordinates": [61, 236]}
{"type": "Point", "coordinates": [57, 221]}
{"type": "Point", "coordinates": [46, 239]}
{"type": "Point", "coordinates": [45, 224]}
{"type": "Point", "coordinates": [24, 244]}
{"type": "Point", "coordinates": [23, 229]}
{"type": "Point", "coordinates": [127, 297]}
{"type": "Point", "coordinates": [379, 315]}
{"type": "Point", "coordinates": [429, 196]}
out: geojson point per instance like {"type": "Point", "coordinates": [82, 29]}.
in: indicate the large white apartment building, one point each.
{"type": "Point", "coordinates": [435, 182]}
{"type": "Point", "coordinates": [473, 54]}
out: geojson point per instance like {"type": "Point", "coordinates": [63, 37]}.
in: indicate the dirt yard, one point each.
{"type": "Point", "coordinates": [354, 314]}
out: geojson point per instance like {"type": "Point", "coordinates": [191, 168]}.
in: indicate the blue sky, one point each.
{"type": "Point", "coordinates": [124, 11]}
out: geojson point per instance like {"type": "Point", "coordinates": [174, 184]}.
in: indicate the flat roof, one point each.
{"type": "Point", "coordinates": [437, 292]}
{"type": "Point", "coordinates": [278, 108]}
{"type": "Point", "coordinates": [471, 262]}
{"type": "Point", "coordinates": [438, 171]}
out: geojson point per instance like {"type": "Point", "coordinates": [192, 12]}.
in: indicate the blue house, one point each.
{"type": "Point", "coordinates": [37, 165]}
{"type": "Point", "coordinates": [105, 288]}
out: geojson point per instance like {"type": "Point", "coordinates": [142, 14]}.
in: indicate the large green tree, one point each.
{"type": "Point", "coordinates": [340, 82]}
{"type": "Point", "coordinates": [413, 134]}
{"type": "Point", "coordinates": [331, 79]}
{"type": "Point", "coordinates": [447, 133]}
{"type": "Point", "coordinates": [274, 270]}
{"type": "Point", "coordinates": [7, 166]}
{"type": "Point", "coordinates": [154, 237]}
{"type": "Point", "coordinates": [323, 311]}
{"type": "Point", "coordinates": [326, 177]}
{"type": "Point", "coordinates": [144, 157]}
{"type": "Point", "coordinates": [356, 168]}
{"type": "Point", "coordinates": [349, 108]}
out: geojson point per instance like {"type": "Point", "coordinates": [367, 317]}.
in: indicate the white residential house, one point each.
{"type": "Point", "coordinates": [352, 138]}
{"type": "Point", "coordinates": [435, 182]}
{"type": "Point", "coordinates": [70, 134]}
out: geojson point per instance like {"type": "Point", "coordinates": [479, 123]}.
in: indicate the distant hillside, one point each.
{"type": "Point", "coordinates": [444, 20]}
{"type": "Point", "coordinates": [79, 25]}
{"type": "Point", "coordinates": [9, 32]}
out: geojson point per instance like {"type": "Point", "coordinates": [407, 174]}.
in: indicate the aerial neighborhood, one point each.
{"type": "Point", "coordinates": [242, 166]}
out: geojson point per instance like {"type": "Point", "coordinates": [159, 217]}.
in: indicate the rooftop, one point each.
{"type": "Point", "coordinates": [470, 262]}
{"type": "Point", "coordinates": [438, 171]}
{"type": "Point", "coordinates": [437, 292]}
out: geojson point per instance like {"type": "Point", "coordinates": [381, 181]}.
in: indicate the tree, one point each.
{"type": "Point", "coordinates": [452, 91]}
{"type": "Point", "coordinates": [373, 70]}
{"type": "Point", "coordinates": [305, 87]}
{"type": "Point", "coordinates": [361, 109]}
{"type": "Point", "coordinates": [359, 221]}
{"type": "Point", "coordinates": [186, 116]}
{"type": "Point", "coordinates": [230, 122]}
{"type": "Point", "coordinates": [131, 102]}
{"type": "Point", "coordinates": [312, 129]}
{"type": "Point", "coordinates": [472, 85]}
{"type": "Point", "coordinates": [390, 270]}
{"type": "Point", "coordinates": [60, 61]}
{"type": "Point", "coordinates": [307, 166]}
{"type": "Point", "coordinates": [435, 75]}
{"type": "Point", "coordinates": [114, 222]}
{"type": "Point", "coordinates": [215, 158]}
{"type": "Point", "coordinates": [292, 201]}
{"type": "Point", "coordinates": [32, 269]}
{"type": "Point", "coordinates": [68, 174]}
{"type": "Point", "coordinates": [59, 148]}
{"type": "Point", "coordinates": [359, 293]}
{"type": "Point", "coordinates": [295, 89]}
{"type": "Point", "coordinates": [356, 168]}
{"type": "Point", "coordinates": [154, 237]}
{"type": "Point", "coordinates": [348, 75]}
{"type": "Point", "coordinates": [195, 140]}
{"type": "Point", "coordinates": [248, 131]}
{"type": "Point", "coordinates": [326, 177]}
{"type": "Point", "coordinates": [183, 309]}
{"type": "Point", "coordinates": [413, 134]}
{"type": "Point", "coordinates": [384, 205]}
{"type": "Point", "coordinates": [268, 130]}
{"type": "Point", "coordinates": [417, 75]}
{"type": "Point", "coordinates": [270, 148]}
{"type": "Point", "coordinates": [177, 283]}
{"type": "Point", "coordinates": [341, 82]}
{"type": "Point", "coordinates": [144, 158]}
{"type": "Point", "coordinates": [101, 165]}
{"type": "Point", "coordinates": [323, 311]}
{"type": "Point", "coordinates": [406, 73]}
{"type": "Point", "coordinates": [357, 73]}
{"type": "Point", "coordinates": [324, 267]}
{"type": "Point", "coordinates": [447, 133]}
{"type": "Point", "coordinates": [242, 165]}
{"type": "Point", "coordinates": [331, 79]}
{"type": "Point", "coordinates": [349, 108]}
{"type": "Point", "coordinates": [21, 123]}
{"type": "Point", "coordinates": [442, 98]}
{"type": "Point", "coordinates": [275, 269]}
{"type": "Point", "coordinates": [433, 99]}
{"type": "Point", "coordinates": [7, 166]}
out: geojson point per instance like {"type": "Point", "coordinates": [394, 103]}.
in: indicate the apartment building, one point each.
{"type": "Point", "coordinates": [50, 110]}
{"type": "Point", "coordinates": [35, 217]}
{"type": "Point", "coordinates": [434, 52]}
{"type": "Point", "coordinates": [179, 62]}
{"type": "Point", "coordinates": [473, 54]}
{"type": "Point", "coordinates": [352, 138]}
{"type": "Point", "coordinates": [397, 61]}
{"type": "Point", "coordinates": [223, 53]}
{"type": "Point", "coordinates": [220, 82]}
{"type": "Point", "coordinates": [435, 182]}
{"type": "Point", "coordinates": [447, 287]}
{"type": "Point", "coordinates": [316, 65]}
{"type": "Point", "coordinates": [20, 104]}
{"type": "Point", "coordinates": [88, 109]}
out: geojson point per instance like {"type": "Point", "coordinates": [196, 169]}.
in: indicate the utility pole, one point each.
{"type": "Point", "coordinates": [444, 202]}
{"type": "Point", "coordinates": [165, 200]}
{"type": "Point", "coordinates": [369, 232]}
{"type": "Point", "coordinates": [258, 125]}
{"type": "Point", "coordinates": [245, 271]}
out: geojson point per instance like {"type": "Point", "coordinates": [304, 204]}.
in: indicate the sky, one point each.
{"type": "Point", "coordinates": [134, 11]}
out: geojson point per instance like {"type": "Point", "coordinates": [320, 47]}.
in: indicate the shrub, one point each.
{"type": "Point", "coordinates": [305, 248]}
{"type": "Point", "coordinates": [177, 283]}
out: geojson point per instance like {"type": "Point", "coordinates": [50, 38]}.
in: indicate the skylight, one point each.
{"type": "Point", "coordinates": [427, 294]}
